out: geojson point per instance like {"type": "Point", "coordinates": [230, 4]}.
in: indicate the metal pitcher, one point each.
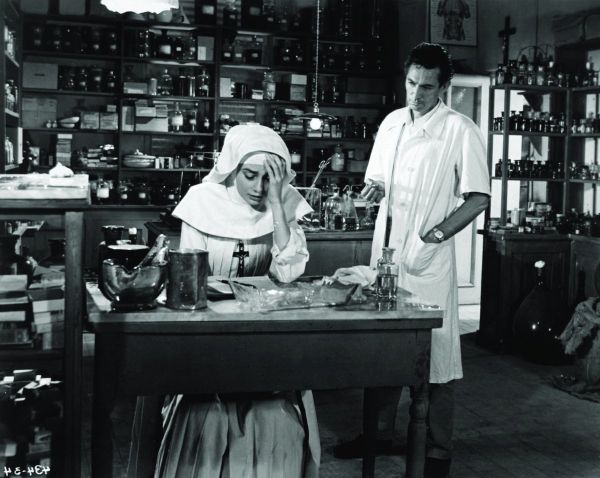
{"type": "Point", "coordinates": [187, 278]}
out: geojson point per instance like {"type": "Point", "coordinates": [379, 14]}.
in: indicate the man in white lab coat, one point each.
{"type": "Point", "coordinates": [425, 159]}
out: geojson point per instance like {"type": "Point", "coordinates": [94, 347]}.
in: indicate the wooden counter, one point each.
{"type": "Point", "coordinates": [225, 348]}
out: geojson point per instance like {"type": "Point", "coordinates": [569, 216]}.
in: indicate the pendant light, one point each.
{"type": "Point", "coordinates": [140, 6]}
{"type": "Point", "coordinates": [316, 118]}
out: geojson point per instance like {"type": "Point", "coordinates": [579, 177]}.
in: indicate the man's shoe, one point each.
{"type": "Point", "coordinates": [437, 468]}
{"type": "Point", "coordinates": [356, 448]}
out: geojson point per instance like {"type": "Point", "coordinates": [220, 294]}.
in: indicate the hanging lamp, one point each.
{"type": "Point", "coordinates": [140, 6]}
{"type": "Point", "coordinates": [315, 117]}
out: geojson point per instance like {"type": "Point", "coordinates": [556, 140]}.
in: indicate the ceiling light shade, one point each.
{"type": "Point", "coordinates": [140, 6]}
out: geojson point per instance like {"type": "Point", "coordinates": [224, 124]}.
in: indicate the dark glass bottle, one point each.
{"type": "Point", "coordinates": [111, 42]}
{"type": "Point", "coordinates": [347, 58]}
{"type": "Point", "coordinates": [81, 81]}
{"type": "Point", "coordinates": [67, 39]}
{"type": "Point", "coordinates": [252, 14]}
{"type": "Point", "coordinates": [95, 42]}
{"type": "Point", "coordinates": [230, 15]}
{"type": "Point", "coordinates": [110, 82]}
{"type": "Point", "coordinates": [202, 83]}
{"type": "Point", "coordinates": [178, 48]}
{"type": "Point", "coordinates": [345, 18]}
{"type": "Point", "coordinates": [206, 12]}
{"type": "Point", "coordinates": [164, 46]}
{"type": "Point", "coordinates": [269, 15]}
{"type": "Point", "coordinates": [142, 44]}
{"type": "Point", "coordinates": [55, 40]}
{"type": "Point", "coordinates": [253, 54]}
{"type": "Point", "coordinates": [95, 79]}
{"type": "Point", "coordinates": [298, 54]}
{"type": "Point", "coordinates": [537, 324]}
{"type": "Point", "coordinates": [37, 37]}
{"type": "Point", "coordinates": [228, 51]}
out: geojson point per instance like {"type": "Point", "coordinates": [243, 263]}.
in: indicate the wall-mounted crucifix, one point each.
{"type": "Point", "coordinates": [505, 35]}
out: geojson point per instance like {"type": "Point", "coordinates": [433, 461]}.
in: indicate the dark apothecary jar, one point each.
{"type": "Point", "coordinates": [12, 263]}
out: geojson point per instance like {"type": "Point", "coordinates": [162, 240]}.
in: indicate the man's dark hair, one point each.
{"type": "Point", "coordinates": [431, 55]}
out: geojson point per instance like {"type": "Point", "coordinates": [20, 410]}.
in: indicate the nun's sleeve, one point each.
{"type": "Point", "coordinates": [289, 263]}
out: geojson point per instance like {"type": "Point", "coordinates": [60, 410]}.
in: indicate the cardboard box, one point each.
{"type": "Point", "coordinates": [109, 121]}
{"type": "Point", "coordinates": [40, 75]}
{"type": "Point", "coordinates": [37, 110]}
{"type": "Point", "coordinates": [205, 48]}
{"type": "Point", "coordinates": [127, 118]}
{"type": "Point", "coordinates": [159, 125]}
{"type": "Point", "coordinates": [89, 120]}
{"type": "Point", "coordinates": [135, 88]}
{"type": "Point", "coordinates": [225, 88]}
{"type": "Point", "coordinates": [295, 79]}
{"type": "Point", "coordinates": [145, 111]}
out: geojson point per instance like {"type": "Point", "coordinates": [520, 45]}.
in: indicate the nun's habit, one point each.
{"type": "Point", "coordinates": [246, 436]}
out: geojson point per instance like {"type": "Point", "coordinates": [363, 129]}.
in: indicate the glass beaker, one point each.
{"type": "Point", "coordinates": [387, 275]}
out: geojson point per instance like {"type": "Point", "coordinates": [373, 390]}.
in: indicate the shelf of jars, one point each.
{"type": "Point", "coordinates": [529, 133]}
{"type": "Point", "coordinates": [532, 88]}
{"type": "Point", "coordinates": [165, 62]}
{"type": "Point", "coordinates": [70, 55]}
{"type": "Point", "coordinates": [529, 179]}
{"type": "Point", "coordinates": [167, 133]}
{"type": "Point", "coordinates": [45, 91]}
{"type": "Point", "coordinates": [72, 130]}
{"type": "Point", "coordinates": [584, 135]}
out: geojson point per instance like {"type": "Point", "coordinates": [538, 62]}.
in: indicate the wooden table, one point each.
{"type": "Point", "coordinates": [225, 349]}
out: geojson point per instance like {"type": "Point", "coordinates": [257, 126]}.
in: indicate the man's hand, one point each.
{"type": "Point", "coordinates": [373, 191]}
{"type": "Point", "coordinates": [276, 170]}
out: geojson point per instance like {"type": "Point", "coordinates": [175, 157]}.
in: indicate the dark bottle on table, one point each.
{"type": "Point", "coordinates": [206, 12]}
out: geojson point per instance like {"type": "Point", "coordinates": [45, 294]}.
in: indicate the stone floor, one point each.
{"type": "Point", "coordinates": [510, 422]}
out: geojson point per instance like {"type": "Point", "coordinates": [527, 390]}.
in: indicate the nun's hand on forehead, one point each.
{"type": "Point", "coordinates": [276, 169]}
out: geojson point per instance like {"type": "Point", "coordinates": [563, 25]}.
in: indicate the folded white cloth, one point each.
{"type": "Point", "coordinates": [364, 276]}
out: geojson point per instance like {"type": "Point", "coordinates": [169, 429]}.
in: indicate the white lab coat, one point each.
{"type": "Point", "coordinates": [437, 162]}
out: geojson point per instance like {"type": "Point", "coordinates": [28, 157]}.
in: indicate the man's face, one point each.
{"type": "Point", "coordinates": [423, 89]}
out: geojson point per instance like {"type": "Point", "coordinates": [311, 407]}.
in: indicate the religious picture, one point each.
{"type": "Point", "coordinates": [453, 22]}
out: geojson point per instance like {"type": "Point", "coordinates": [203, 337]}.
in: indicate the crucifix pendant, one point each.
{"type": "Point", "coordinates": [241, 253]}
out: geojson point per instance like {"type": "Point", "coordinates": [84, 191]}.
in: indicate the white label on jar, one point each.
{"type": "Point", "coordinates": [337, 162]}
{"type": "Point", "coordinates": [142, 195]}
{"type": "Point", "coordinates": [296, 158]}
{"type": "Point", "coordinates": [254, 11]}
{"type": "Point", "coordinates": [165, 49]}
{"type": "Point", "coordinates": [102, 193]}
{"type": "Point", "coordinates": [177, 120]}
{"type": "Point", "coordinates": [208, 9]}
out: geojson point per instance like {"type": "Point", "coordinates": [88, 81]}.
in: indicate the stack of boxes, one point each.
{"type": "Point", "coordinates": [63, 148]}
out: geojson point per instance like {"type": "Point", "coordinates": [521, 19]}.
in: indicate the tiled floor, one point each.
{"type": "Point", "coordinates": [510, 423]}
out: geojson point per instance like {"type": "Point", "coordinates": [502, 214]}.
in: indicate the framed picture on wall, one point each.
{"type": "Point", "coordinates": [453, 22]}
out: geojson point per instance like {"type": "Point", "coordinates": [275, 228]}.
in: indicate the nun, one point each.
{"type": "Point", "coordinates": [245, 214]}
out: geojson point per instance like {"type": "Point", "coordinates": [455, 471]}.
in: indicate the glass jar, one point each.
{"type": "Point", "coordinates": [110, 82]}
{"type": "Point", "coordinates": [268, 85]}
{"type": "Point", "coordinates": [111, 43]}
{"type": "Point", "coordinates": [81, 81]}
{"type": "Point", "coordinates": [202, 83]}
{"type": "Point", "coordinates": [142, 43]}
{"type": "Point", "coordinates": [141, 193]}
{"type": "Point", "coordinates": [95, 79]}
{"type": "Point", "coordinates": [338, 160]}
{"type": "Point", "coordinates": [102, 192]}
{"type": "Point", "coordinates": [387, 276]}
{"type": "Point", "coordinates": [165, 84]}
{"type": "Point", "coordinates": [334, 211]}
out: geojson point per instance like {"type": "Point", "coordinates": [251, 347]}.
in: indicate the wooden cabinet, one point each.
{"type": "Point", "coordinates": [10, 81]}
{"type": "Point", "coordinates": [79, 86]}
{"type": "Point", "coordinates": [71, 212]}
{"type": "Point", "coordinates": [585, 269]}
{"type": "Point", "coordinates": [509, 275]}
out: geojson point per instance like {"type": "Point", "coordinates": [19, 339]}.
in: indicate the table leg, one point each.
{"type": "Point", "coordinates": [417, 431]}
{"type": "Point", "coordinates": [370, 431]}
{"type": "Point", "coordinates": [105, 387]}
